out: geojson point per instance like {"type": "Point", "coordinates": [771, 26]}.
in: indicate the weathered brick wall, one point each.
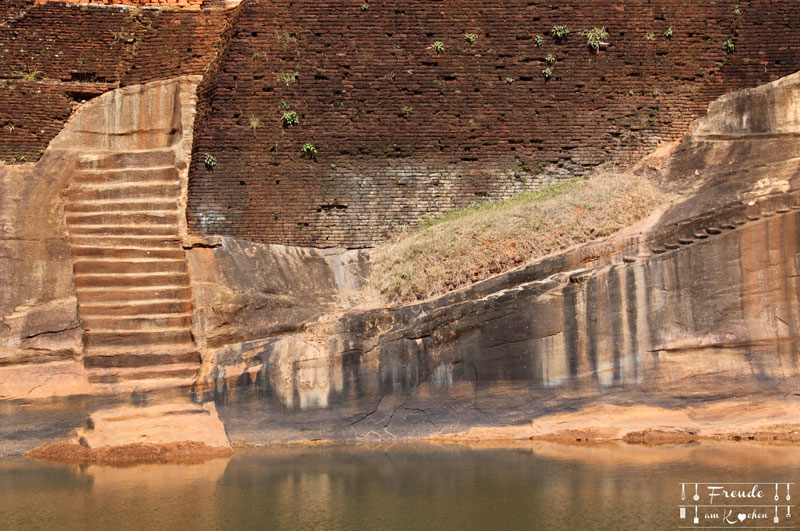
{"type": "Point", "coordinates": [404, 132]}
{"type": "Point", "coordinates": [177, 43]}
{"type": "Point", "coordinates": [73, 53]}
{"type": "Point", "coordinates": [182, 4]}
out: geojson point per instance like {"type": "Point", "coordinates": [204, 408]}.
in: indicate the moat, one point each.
{"type": "Point", "coordinates": [400, 486]}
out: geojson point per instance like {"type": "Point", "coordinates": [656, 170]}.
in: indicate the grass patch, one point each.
{"type": "Point", "coordinates": [469, 245]}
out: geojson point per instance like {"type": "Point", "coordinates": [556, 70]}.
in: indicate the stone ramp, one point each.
{"type": "Point", "coordinates": [133, 288]}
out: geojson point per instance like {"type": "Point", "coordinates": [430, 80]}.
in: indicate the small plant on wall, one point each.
{"type": "Point", "coordinates": [729, 46]}
{"type": "Point", "coordinates": [210, 161]}
{"type": "Point", "coordinates": [538, 41]}
{"type": "Point", "coordinates": [595, 38]}
{"type": "Point", "coordinates": [287, 77]}
{"type": "Point", "coordinates": [550, 59]}
{"type": "Point", "coordinates": [438, 47]}
{"type": "Point", "coordinates": [290, 118]}
{"type": "Point", "coordinates": [547, 74]}
{"type": "Point", "coordinates": [470, 37]}
{"type": "Point", "coordinates": [30, 74]}
{"type": "Point", "coordinates": [559, 33]}
{"type": "Point", "coordinates": [255, 122]}
{"type": "Point", "coordinates": [309, 149]}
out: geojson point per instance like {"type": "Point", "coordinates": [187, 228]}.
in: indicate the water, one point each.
{"type": "Point", "coordinates": [538, 486]}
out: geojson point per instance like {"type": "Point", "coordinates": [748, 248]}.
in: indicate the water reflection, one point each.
{"type": "Point", "coordinates": [539, 486]}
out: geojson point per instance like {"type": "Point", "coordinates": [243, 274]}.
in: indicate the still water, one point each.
{"type": "Point", "coordinates": [537, 486]}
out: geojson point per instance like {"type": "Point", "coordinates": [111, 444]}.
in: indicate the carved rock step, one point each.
{"type": "Point", "coordinates": [124, 218]}
{"type": "Point", "coordinates": [130, 159]}
{"type": "Point", "coordinates": [126, 205]}
{"type": "Point", "coordinates": [141, 321]}
{"type": "Point", "coordinates": [129, 266]}
{"type": "Point", "coordinates": [152, 190]}
{"type": "Point", "coordinates": [177, 337]}
{"type": "Point", "coordinates": [91, 252]}
{"type": "Point", "coordinates": [186, 371]}
{"type": "Point", "coordinates": [137, 236]}
{"type": "Point", "coordinates": [142, 358]}
{"type": "Point", "coordinates": [141, 280]}
{"type": "Point", "coordinates": [129, 295]}
{"type": "Point", "coordinates": [127, 175]}
{"type": "Point", "coordinates": [135, 308]}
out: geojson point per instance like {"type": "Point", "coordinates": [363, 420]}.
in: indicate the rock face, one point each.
{"type": "Point", "coordinates": [93, 250]}
{"type": "Point", "coordinates": [702, 305]}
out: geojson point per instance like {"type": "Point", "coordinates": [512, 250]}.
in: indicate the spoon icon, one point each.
{"type": "Point", "coordinates": [683, 491]}
{"type": "Point", "coordinates": [776, 492]}
{"type": "Point", "coordinates": [696, 496]}
{"type": "Point", "coordinates": [787, 493]}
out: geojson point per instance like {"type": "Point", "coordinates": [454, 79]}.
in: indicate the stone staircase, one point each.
{"type": "Point", "coordinates": [134, 295]}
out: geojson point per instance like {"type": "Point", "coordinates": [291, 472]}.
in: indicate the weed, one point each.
{"type": "Point", "coordinates": [656, 93]}
{"type": "Point", "coordinates": [407, 109]}
{"type": "Point", "coordinates": [668, 33]}
{"type": "Point", "coordinates": [256, 56]}
{"type": "Point", "coordinates": [255, 122]}
{"type": "Point", "coordinates": [595, 37]}
{"type": "Point", "coordinates": [538, 40]}
{"type": "Point", "coordinates": [287, 77]}
{"type": "Point", "coordinates": [290, 118]}
{"type": "Point", "coordinates": [285, 106]}
{"type": "Point", "coordinates": [630, 92]}
{"type": "Point", "coordinates": [121, 36]}
{"type": "Point", "coordinates": [31, 74]}
{"type": "Point", "coordinates": [210, 161]}
{"type": "Point", "coordinates": [410, 72]}
{"type": "Point", "coordinates": [41, 151]}
{"type": "Point", "coordinates": [438, 47]}
{"type": "Point", "coordinates": [550, 59]}
{"type": "Point", "coordinates": [364, 7]}
{"type": "Point", "coordinates": [729, 46]}
{"type": "Point", "coordinates": [11, 128]}
{"type": "Point", "coordinates": [19, 159]}
{"type": "Point", "coordinates": [470, 37]}
{"type": "Point", "coordinates": [509, 80]}
{"type": "Point", "coordinates": [559, 33]}
{"type": "Point", "coordinates": [649, 36]}
{"type": "Point", "coordinates": [309, 149]}
{"type": "Point", "coordinates": [736, 11]}
{"type": "Point", "coordinates": [547, 73]}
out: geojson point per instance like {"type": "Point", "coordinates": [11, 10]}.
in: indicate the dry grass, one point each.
{"type": "Point", "coordinates": [472, 244]}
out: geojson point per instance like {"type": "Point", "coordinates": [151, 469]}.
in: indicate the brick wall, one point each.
{"type": "Point", "coordinates": [404, 132]}
{"type": "Point", "coordinates": [74, 53]}
{"type": "Point", "coordinates": [182, 4]}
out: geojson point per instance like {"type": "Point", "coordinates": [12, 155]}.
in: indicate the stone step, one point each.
{"type": "Point", "coordinates": [156, 190]}
{"type": "Point", "coordinates": [122, 253]}
{"type": "Point", "coordinates": [127, 175]}
{"type": "Point", "coordinates": [132, 280]}
{"type": "Point", "coordinates": [104, 160]}
{"type": "Point", "coordinates": [138, 322]}
{"type": "Point", "coordinates": [164, 355]}
{"type": "Point", "coordinates": [126, 205]}
{"type": "Point", "coordinates": [119, 374]}
{"type": "Point", "coordinates": [129, 266]}
{"type": "Point", "coordinates": [163, 232]}
{"type": "Point", "coordinates": [162, 218]}
{"type": "Point", "coordinates": [126, 295]}
{"type": "Point", "coordinates": [135, 307]}
{"type": "Point", "coordinates": [181, 337]}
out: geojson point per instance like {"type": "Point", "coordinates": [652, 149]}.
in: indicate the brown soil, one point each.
{"type": "Point", "coordinates": [72, 452]}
